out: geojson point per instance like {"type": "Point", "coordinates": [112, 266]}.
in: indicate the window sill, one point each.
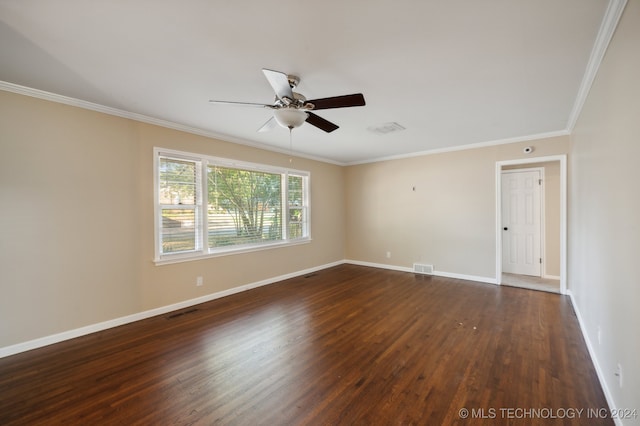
{"type": "Point", "coordinates": [189, 257]}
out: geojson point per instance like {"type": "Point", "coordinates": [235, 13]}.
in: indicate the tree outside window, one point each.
{"type": "Point", "coordinates": [232, 208]}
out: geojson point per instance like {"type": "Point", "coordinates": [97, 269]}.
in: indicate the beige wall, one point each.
{"type": "Point", "coordinates": [604, 213]}
{"type": "Point", "coordinates": [448, 221]}
{"type": "Point", "coordinates": [77, 241]}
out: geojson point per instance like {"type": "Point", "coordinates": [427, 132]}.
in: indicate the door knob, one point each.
{"type": "Point", "coordinates": [505, 228]}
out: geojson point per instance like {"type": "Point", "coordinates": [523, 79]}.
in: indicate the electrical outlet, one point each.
{"type": "Point", "coordinates": [199, 281]}
{"type": "Point", "coordinates": [599, 335]}
{"type": "Point", "coordinates": [388, 255]}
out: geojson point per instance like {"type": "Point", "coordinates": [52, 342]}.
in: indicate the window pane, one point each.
{"type": "Point", "coordinates": [295, 190]}
{"type": "Point", "coordinates": [177, 182]}
{"type": "Point", "coordinates": [297, 222]}
{"type": "Point", "coordinates": [297, 217]}
{"type": "Point", "coordinates": [178, 230]}
{"type": "Point", "coordinates": [244, 206]}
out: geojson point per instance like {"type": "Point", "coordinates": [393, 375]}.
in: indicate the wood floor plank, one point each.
{"type": "Point", "coordinates": [346, 345]}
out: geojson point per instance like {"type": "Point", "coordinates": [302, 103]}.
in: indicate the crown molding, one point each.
{"type": "Point", "coordinates": [607, 29]}
{"type": "Point", "coordinates": [526, 138]}
{"type": "Point", "coordinates": [79, 103]}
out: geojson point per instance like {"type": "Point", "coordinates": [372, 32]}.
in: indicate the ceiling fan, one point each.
{"type": "Point", "coordinates": [291, 109]}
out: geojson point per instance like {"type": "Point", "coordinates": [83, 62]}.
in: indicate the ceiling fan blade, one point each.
{"type": "Point", "coordinates": [357, 99]}
{"type": "Point", "coordinates": [269, 125]}
{"type": "Point", "coordinates": [250, 104]}
{"type": "Point", "coordinates": [279, 82]}
{"type": "Point", "coordinates": [321, 123]}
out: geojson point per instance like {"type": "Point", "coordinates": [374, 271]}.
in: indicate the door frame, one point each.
{"type": "Point", "coordinates": [563, 212]}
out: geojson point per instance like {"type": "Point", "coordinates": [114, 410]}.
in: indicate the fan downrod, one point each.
{"type": "Point", "coordinates": [294, 80]}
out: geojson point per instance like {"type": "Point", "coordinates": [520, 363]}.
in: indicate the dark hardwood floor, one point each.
{"type": "Point", "coordinates": [346, 345]}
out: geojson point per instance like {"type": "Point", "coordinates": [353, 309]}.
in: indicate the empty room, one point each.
{"type": "Point", "coordinates": [330, 213]}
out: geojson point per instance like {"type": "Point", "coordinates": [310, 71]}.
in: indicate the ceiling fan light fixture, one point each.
{"type": "Point", "coordinates": [290, 118]}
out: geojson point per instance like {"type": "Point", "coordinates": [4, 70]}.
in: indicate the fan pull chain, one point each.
{"type": "Point", "coordinates": [290, 144]}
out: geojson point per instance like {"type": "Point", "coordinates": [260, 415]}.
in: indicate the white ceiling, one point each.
{"type": "Point", "coordinates": [453, 73]}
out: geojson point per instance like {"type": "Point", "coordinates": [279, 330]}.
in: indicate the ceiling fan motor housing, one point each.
{"type": "Point", "coordinates": [291, 109]}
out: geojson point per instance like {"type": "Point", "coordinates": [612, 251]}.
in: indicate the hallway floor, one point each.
{"type": "Point", "coordinates": [532, 283]}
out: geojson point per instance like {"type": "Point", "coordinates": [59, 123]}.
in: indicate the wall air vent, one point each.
{"type": "Point", "coordinates": [384, 128]}
{"type": "Point", "coordinates": [421, 268]}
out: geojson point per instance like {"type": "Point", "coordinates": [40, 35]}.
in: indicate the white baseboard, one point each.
{"type": "Point", "coordinates": [82, 331]}
{"type": "Point", "coordinates": [379, 265]}
{"type": "Point", "coordinates": [435, 273]}
{"type": "Point", "coordinates": [594, 358]}
{"type": "Point", "coordinates": [551, 277]}
{"type": "Point", "coordinates": [476, 278]}
{"type": "Point", "coordinates": [93, 328]}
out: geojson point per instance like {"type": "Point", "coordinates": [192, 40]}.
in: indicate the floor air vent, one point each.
{"type": "Point", "coordinates": [421, 268]}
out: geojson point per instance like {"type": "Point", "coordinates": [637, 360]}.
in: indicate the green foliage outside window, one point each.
{"type": "Point", "coordinates": [251, 199]}
{"type": "Point", "coordinates": [237, 207]}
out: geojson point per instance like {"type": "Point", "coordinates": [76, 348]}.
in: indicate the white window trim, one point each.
{"type": "Point", "coordinates": [204, 252]}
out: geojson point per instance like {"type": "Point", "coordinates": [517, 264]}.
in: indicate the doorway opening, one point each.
{"type": "Point", "coordinates": [531, 223]}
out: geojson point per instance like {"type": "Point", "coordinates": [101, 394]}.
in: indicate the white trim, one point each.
{"type": "Point", "coordinates": [435, 273]}
{"type": "Point", "coordinates": [543, 221]}
{"type": "Point", "coordinates": [53, 97]}
{"type": "Point", "coordinates": [525, 138]}
{"type": "Point", "coordinates": [93, 328]}
{"type": "Point", "coordinates": [157, 221]}
{"type": "Point", "coordinates": [551, 277]}
{"type": "Point", "coordinates": [379, 265]}
{"type": "Point", "coordinates": [168, 259]}
{"type": "Point", "coordinates": [563, 212]}
{"type": "Point", "coordinates": [594, 358]}
{"type": "Point", "coordinates": [607, 29]}
{"type": "Point", "coordinates": [466, 277]}
{"type": "Point", "coordinates": [66, 100]}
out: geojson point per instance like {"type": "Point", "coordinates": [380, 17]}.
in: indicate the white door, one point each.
{"type": "Point", "coordinates": [521, 222]}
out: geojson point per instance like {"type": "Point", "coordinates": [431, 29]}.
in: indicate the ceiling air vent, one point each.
{"type": "Point", "coordinates": [384, 128]}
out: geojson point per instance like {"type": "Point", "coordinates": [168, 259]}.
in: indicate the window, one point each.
{"type": "Point", "coordinates": [210, 206]}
